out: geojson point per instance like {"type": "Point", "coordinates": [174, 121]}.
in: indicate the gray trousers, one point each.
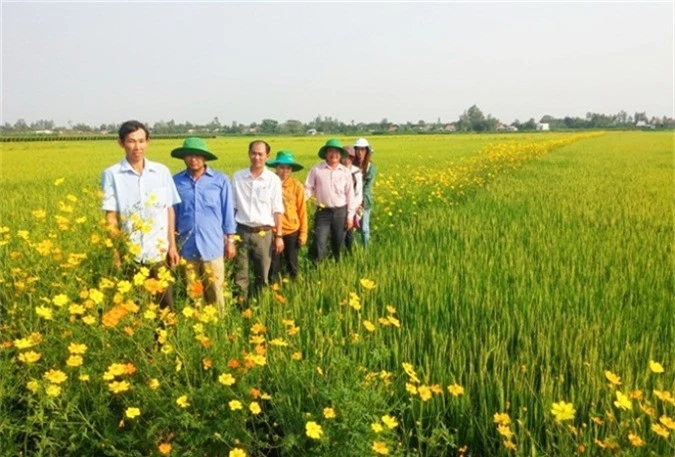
{"type": "Point", "coordinates": [254, 249]}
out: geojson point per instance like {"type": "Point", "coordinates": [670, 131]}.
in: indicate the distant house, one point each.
{"type": "Point", "coordinates": [311, 132]}
{"type": "Point", "coordinates": [543, 126]}
{"type": "Point", "coordinates": [392, 128]}
{"type": "Point", "coordinates": [641, 124]}
{"type": "Point", "coordinates": [511, 128]}
{"type": "Point", "coordinates": [449, 128]}
{"type": "Point", "coordinates": [44, 132]}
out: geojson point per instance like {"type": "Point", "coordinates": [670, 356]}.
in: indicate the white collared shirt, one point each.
{"type": "Point", "coordinates": [256, 200]}
{"type": "Point", "coordinates": [142, 201]}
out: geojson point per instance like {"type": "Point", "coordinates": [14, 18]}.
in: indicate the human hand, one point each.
{"type": "Point", "coordinates": [172, 257]}
{"type": "Point", "coordinates": [279, 245]}
{"type": "Point", "coordinates": [230, 251]}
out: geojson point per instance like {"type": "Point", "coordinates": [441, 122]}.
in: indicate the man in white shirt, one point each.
{"type": "Point", "coordinates": [258, 209]}
{"type": "Point", "coordinates": [138, 197]}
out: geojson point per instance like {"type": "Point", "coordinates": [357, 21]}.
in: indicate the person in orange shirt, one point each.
{"type": "Point", "coordinates": [294, 222]}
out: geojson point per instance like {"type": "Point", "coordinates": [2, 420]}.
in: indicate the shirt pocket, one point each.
{"type": "Point", "coordinates": [263, 194]}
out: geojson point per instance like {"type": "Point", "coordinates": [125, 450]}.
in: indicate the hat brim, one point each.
{"type": "Point", "coordinates": [322, 151]}
{"type": "Point", "coordinates": [180, 153]}
{"type": "Point", "coordinates": [294, 165]}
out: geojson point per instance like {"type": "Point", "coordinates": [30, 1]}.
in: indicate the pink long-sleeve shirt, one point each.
{"type": "Point", "coordinates": [332, 187]}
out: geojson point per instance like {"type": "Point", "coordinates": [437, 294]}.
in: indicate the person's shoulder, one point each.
{"type": "Point", "coordinates": [180, 175]}
{"type": "Point", "coordinates": [240, 173]}
{"type": "Point", "coordinates": [114, 168]}
{"type": "Point", "coordinates": [158, 167]}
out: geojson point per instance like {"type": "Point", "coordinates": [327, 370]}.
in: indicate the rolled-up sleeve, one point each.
{"type": "Point", "coordinates": [108, 188]}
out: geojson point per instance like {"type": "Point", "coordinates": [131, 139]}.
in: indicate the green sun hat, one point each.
{"type": "Point", "coordinates": [285, 157]}
{"type": "Point", "coordinates": [332, 143]}
{"type": "Point", "coordinates": [195, 146]}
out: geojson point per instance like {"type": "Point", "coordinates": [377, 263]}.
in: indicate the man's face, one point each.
{"type": "Point", "coordinates": [194, 162]}
{"type": "Point", "coordinates": [134, 145]}
{"type": "Point", "coordinates": [258, 155]}
{"type": "Point", "coordinates": [332, 156]}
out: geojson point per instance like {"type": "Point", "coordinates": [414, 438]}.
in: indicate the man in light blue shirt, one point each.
{"type": "Point", "coordinates": [138, 197]}
{"type": "Point", "coordinates": [204, 221]}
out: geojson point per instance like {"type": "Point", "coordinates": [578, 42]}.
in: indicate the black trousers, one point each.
{"type": "Point", "coordinates": [288, 258]}
{"type": "Point", "coordinates": [328, 221]}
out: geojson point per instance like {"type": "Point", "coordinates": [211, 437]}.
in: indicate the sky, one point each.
{"type": "Point", "coordinates": [105, 62]}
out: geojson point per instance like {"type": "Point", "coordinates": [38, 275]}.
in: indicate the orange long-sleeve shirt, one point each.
{"type": "Point", "coordinates": [295, 209]}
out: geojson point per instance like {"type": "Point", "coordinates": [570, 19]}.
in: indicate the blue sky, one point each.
{"type": "Point", "coordinates": [107, 62]}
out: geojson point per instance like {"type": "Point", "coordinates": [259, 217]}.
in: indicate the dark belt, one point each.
{"type": "Point", "coordinates": [246, 228]}
{"type": "Point", "coordinates": [332, 210]}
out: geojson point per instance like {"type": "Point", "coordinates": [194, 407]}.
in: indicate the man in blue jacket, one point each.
{"type": "Point", "coordinates": [204, 221]}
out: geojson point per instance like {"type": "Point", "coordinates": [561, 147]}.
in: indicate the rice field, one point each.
{"type": "Point", "coordinates": [517, 300]}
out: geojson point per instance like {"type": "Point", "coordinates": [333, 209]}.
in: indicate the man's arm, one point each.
{"type": "Point", "coordinates": [229, 226]}
{"type": "Point", "coordinates": [278, 240]}
{"type": "Point", "coordinates": [172, 256]}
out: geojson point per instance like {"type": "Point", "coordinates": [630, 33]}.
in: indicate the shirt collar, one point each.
{"type": "Point", "coordinates": [147, 166]}
{"type": "Point", "coordinates": [324, 164]}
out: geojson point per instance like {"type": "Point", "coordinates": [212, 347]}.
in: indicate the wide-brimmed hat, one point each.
{"type": "Point", "coordinates": [332, 143]}
{"type": "Point", "coordinates": [350, 151]}
{"type": "Point", "coordinates": [195, 146]}
{"type": "Point", "coordinates": [363, 143]}
{"type": "Point", "coordinates": [285, 157]}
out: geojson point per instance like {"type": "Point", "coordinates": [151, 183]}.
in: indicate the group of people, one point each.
{"type": "Point", "coordinates": [259, 219]}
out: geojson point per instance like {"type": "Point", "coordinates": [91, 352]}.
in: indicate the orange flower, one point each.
{"type": "Point", "coordinates": [153, 286]}
{"type": "Point", "coordinates": [196, 290]}
{"type": "Point", "coordinates": [233, 363]}
{"type": "Point", "coordinates": [114, 316]}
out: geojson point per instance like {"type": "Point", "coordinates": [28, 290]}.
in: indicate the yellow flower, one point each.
{"type": "Point", "coordinates": [410, 371]}
{"type": "Point", "coordinates": [44, 312]}
{"type": "Point", "coordinates": [164, 448]}
{"type": "Point", "coordinates": [664, 396]}
{"type": "Point", "coordinates": [59, 181]}
{"type": "Point", "coordinates": [380, 447]}
{"type": "Point", "coordinates": [154, 383]}
{"type": "Point", "coordinates": [39, 214]}
{"type": "Point", "coordinates": [329, 413]}
{"type": "Point", "coordinates": [660, 430]}
{"type": "Point", "coordinates": [297, 356]}
{"type": "Point", "coordinates": [29, 357]}
{"type": "Point", "coordinates": [117, 387]}
{"type": "Point", "coordinates": [96, 296]}
{"type": "Point", "coordinates": [367, 284]}
{"type": "Point", "coordinates": [254, 407]}
{"type": "Point", "coordinates": [76, 309]}
{"type": "Point", "coordinates": [236, 452]}
{"type": "Point", "coordinates": [84, 377]}
{"type": "Point", "coordinates": [33, 385]}
{"type": "Point", "coordinates": [411, 388]}
{"type": "Point", "coordinates": [389, 421]}
{"type": "Point", "coordinates": [510, 445]}
{"type": "Point", "coordinates": [226, 379]}
{"type": "Point", "coordinates": [182, 401]}
{"type": "Point", "coordinates": [612, 378]}
{"type": "Point", "coordinates": [393, 321]}
{"type": "Point", "coordinates": [667, 421]}
{"type": "Point", "coordinates": [369, 326]}
{"type": "Point", "coordinates": [60, 300]}
{"type": "Point", "coordinates": [313, 430]}
{"type": "Point", "coordinates": [76, 348]}
{"type": "Point", "coordinates": [89, 320]}
{"type": "Point", "coordinates": [425, 393]}
{"type": "Point", "coordinates": [635, 440]}
{"type": "Point", "coordinates": [456, 390]}
{"type": "Point", "coordinates": [53, 390]}
{"type": "Point", "coordinates": [563, 411]}
{"type": "Point", "coordinates": [278, 342]}
{"type": "Point", "coordinates": [391, 309]}
{"type": "Point", "coordinates": [376, 427]}
{"type": "Point", "coordinates": [123, 287]}
{"type": "Point", "coordinates": [55, 376]}
{"type": "Point", "coordinates": [622, 401]}
{"type": "Point", "coordinates": [132, 412]}
{"type": "Point", "coordinates": [501, 418]}
{"type": "Point", "coordinates": [505, 431]}
{"type": "Point", "coordinates": [74, 361]}
{"type": "Point", "coordinates": [235, 405]}
{"type": "Point", "coordinates": [656, 367]}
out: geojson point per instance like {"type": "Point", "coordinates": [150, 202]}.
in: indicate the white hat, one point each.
{"type": "Point", "coordinates": [362, 143]}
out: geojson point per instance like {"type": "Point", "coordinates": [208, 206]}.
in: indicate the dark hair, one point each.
{"type": "Point", "coordinates": [130, 127]}
{"type": "Point", "coordinates": [363, 165]}
{"type": "Point", "coordinates": [254, 142]}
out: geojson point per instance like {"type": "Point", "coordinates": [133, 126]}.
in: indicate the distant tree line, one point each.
{"type": "Point", "coordinates": [471, 120]}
